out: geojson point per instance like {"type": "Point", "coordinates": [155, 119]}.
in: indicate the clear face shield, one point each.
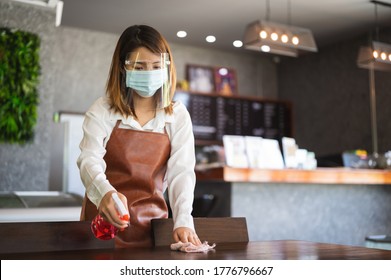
{"type": "Point", "coordinates": [148, 75]}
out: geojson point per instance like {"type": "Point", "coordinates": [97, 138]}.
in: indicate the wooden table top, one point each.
{"type": "Point", "coordinates": [316, 176]}
{"type": "Point", "coordinates": [255, 250]}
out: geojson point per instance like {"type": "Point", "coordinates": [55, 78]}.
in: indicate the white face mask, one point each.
{"type": "Point", "coordinates": [146, 83]}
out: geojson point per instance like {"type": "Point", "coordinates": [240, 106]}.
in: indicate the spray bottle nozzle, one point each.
{"type": "Point", "coordinates": [124, 215]}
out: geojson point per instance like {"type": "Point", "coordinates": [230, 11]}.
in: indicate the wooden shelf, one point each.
{"type": "Point", "coordinates": [317, 176]}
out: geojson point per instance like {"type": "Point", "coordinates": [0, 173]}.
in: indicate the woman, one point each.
{"type": "Point", "coordinates": [138, 142]}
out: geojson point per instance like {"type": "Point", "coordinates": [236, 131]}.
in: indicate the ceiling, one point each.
{"type": "Point", "coordinates": [330, 21]}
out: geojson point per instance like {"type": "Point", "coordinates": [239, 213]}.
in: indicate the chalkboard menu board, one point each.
{"type": "Point", "coordinates": [214, 116]}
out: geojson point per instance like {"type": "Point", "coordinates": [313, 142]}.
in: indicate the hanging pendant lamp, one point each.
{"type": "Point", "coordinates": [377, 55]}
{"type": "Point", "coordinates": [277, 38]}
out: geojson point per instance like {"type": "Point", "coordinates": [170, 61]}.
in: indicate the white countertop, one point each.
{"type": "Point", "coordinates": [50, 214]}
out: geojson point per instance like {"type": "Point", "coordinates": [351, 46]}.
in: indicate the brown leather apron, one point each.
{"type": "Point", "coordinates": [136, 164]}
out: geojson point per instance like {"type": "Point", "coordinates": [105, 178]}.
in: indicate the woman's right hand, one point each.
{"type": "Point", "coordinates": [109, 212]}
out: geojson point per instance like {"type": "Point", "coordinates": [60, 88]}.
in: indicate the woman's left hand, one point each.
{"type": "Point", "coordinates": [185, 234]}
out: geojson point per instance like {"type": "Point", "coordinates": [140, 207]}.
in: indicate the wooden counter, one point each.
{"type": "Point", "coordinates": [256, 250]}
{"type": "Point", "coordinates": [317, 176]}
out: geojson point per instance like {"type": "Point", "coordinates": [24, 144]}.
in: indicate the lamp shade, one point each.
{"type": "Point", "coordinates": [278, 38]}
{"type": "Point", "coordinates": [377, 56]}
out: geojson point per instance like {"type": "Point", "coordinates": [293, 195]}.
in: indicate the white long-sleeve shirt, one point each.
{"type": "Point", "coordinates": [179, 178]}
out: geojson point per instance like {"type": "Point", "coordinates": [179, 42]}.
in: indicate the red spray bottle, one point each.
{"type": "Point", "coordinates": [104, 230]}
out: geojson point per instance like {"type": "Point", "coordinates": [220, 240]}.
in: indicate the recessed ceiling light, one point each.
{"type": "Point", "coordinates": [238, 43]}
{"type": "Point", "coordinates": [181, 34]}
{"type": "Point", "coordinates": [223, 71]}
{"type": "Point", "coordinates": [265, 48]}
{"type": "Point", "coordinates": [210, 39]}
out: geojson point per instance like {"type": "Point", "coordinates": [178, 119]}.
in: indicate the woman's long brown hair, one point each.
{"type": "Point", "coordinates": [134, 37]}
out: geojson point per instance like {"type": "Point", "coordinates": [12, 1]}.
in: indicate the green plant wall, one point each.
{"type": "Point", "coordinates": [19, 77]}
